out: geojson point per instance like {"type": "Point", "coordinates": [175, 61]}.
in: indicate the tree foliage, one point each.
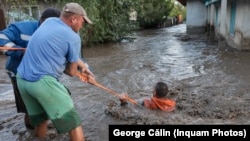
{"type": "Point", "coordinates": [178, 9]}
{"type": "Point", "coordinates": [5, 4]}
{"type": "Point", "coordinates": [152, 12]}
{"type": "Point", "coordinates": [111, 17]}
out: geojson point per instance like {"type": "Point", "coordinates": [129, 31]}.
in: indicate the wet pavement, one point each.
{"type": "Point", "coordinates": [209, 83]}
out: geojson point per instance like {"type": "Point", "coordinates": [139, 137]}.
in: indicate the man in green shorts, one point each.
{"type": "Point", "coordinates": [53, 50]}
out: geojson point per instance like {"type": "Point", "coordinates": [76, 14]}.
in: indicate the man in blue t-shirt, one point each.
{"type": "Point", "coordinates": [53, 50]}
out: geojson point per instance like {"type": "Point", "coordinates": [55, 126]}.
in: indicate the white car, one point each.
{"type": "Point", "coordinates": [18, 16]}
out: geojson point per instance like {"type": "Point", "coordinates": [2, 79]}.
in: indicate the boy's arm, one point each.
{"type": "Point", "coordinates": [123, 100]}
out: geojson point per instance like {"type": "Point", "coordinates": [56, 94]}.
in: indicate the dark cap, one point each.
{"type": "Point", "coordinates": [49, 12]}
{"type": "Point", "coordinates": [75, 8]}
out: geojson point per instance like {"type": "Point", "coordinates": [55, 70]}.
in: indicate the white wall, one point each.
{"type": "Point", "coordinates": [241, 37]}
{"type": "Point", "coordinates": [243, 19]}
{"type": "Point", "coordinates": [242, 27]}
{"type": "Point", "coordinates": [196, 13]}
{"type": "Point", "coordinates": [223, 27]}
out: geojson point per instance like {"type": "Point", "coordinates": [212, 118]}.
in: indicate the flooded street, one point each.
{"type": "Point", "coordinates": [211, 85]}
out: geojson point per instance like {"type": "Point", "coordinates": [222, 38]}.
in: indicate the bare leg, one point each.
{"type": "Point", "coordinates": [76, 134]}
{"type": "Point", "coordinates": [41, 130]}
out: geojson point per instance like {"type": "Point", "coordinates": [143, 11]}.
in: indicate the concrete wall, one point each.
{"type": "Point", "coordinates": [240, 39]}
{"type": "Point", "coordinates": [196, 16]}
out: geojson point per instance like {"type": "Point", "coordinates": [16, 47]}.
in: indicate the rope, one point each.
{"type": "Point", "coordinates": [11, 48]}
{"type": "Point", "coordinates": [84, 78]}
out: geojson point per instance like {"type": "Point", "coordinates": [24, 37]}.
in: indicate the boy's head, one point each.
{"type": "Point", "coordinates": [161, 89]}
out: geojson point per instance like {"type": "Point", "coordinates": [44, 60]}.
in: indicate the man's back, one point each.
{"type": "Point", "coordinates": [47, 50]}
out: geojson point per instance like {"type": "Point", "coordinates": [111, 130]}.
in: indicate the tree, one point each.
{"type": "Point", "coordinates": [178, 9]}
{"type": "Point", "coordinates": [152, 12]}
{"type": "Point", "coordinates": [110, 17]}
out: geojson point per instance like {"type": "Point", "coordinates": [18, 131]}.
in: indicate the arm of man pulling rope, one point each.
{"type": "Point", "coordinates": [93, 82]}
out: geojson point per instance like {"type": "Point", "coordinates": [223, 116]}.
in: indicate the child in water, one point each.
{"type": "Point", "coordinates": [159, 99]}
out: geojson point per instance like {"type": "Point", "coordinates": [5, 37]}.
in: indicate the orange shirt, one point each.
{"type": "Point", "coordinates": [163, 104]}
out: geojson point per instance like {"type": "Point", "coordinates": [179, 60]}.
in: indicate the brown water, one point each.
{"type": "Point", "coordinates": [210, 84]}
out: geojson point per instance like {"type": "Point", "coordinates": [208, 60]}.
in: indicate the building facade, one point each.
{"type": "Point", "coordinates": [223, 20]}
{"type": "Point", "coordinates": [230, 21]}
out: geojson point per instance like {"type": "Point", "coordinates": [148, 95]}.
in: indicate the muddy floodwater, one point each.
{"type": "Point", "coordinates": [211, 85]}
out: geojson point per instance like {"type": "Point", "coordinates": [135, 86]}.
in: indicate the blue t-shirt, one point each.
{"type": "Point", "coordinates": [52, 45]}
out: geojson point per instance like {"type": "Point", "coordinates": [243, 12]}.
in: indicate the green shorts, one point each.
{"type": "Point", "coordinates": [48, 99]}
